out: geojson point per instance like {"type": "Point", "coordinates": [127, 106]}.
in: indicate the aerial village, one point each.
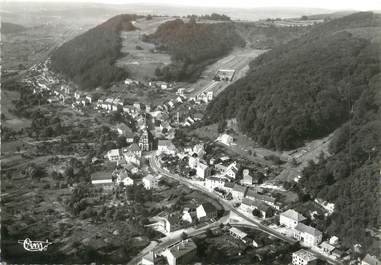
{"type": "Point", "coordinates": [238, 189]}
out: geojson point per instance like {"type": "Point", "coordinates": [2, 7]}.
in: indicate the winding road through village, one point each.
{"type": "Point", "coordinates": [249, 222]}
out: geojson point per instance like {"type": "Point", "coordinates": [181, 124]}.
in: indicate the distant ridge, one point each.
{"type": "Point", "coordinates": [7, 27]}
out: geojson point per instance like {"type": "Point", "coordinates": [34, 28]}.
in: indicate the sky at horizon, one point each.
{"type": "Point", "coordinates": [364, 5]}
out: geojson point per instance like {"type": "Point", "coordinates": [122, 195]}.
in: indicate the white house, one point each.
{"type": "Point", "coordinates": [238, 192]}
{"type": "Point", "coordinates": [290, 218]}
{"type": "Point", "coordinates": [122, 177]}
{"type": "Point", "coordinates": [225, 139]}
{"type": "Point", "coordinates": [166, 147]}
{"type": "Point", "coordinates": [232, 170]}
{"type": "Point", "coordinates": [370, 260]}
{"type": "Point", "coordinates": [202, 170]}
{"type": "Point", "coordinates": [248, 206]}
{"type": "Point", "coordinates": [307, 235]}
{"type": "Point", "coordinates": [199, 150]}
{"type": "Point", "coordinates": [239, 234]}
{"type": "Point", "coordinates": [327, 248]}
{"type": "Point", "coordinates": [206, 210]}
{"type": "Point", "coordinates": [148, 259]}
{"type": "Point", "coordinates": [193, 162]}
{"type": "Point", "coordinates": [180, 253]}
{"type": "Point", "coordinates": [303, 257]}
{"type": "Point", "coordinates": [187, 215]}
{"type": "Point", "coordinates": [213, 182]}
{"type": "Point", "coordinates": [114, 155]}
{"type": "Point", "coordinates": [150, 182]}
{"type": "Point", "coordinates": [209, 95]}
{"type": "Point", "coordinates": [334, 240]}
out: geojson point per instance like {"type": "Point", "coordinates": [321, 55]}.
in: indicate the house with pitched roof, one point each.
{"type": "Point", "coordinates": [188, 215]}
{"type": "Point", "coordinates": [148, 259]}
{"type": "Point", "coordinates": [240, 235]}
{"type": "Point", "coordinates": [203, 170]}
{"type": "Point", "coordinates": [132, 154]}
{"type": "Point", "coordinates": [206, 211]}
{"type": "Point", "coordinates": [370, 260]}
{"type": "Point", "coordinates": [181, 252]}
{"type": "Point", "coordinates": [291, 218]}
{"type": "Point", "coordinates": [326, 248]}
{"type": "Point", "coordinates": [166, 147]}
{"type": "Point", "coordinates": [228, 186]}
{"type": "Point", "coordinates": [232, 170]}
{"type": "Point", "coordinates": [114, 155]}
{"type": "Point", "coordinates": [249, 206]}
{"type": "Point", "coordinates": [213, 182]}
{"type": "Point", "coordinates": [225, 139]}
{"type": "Point", "coordinates": [193, 162]}
{"type": "Point", "coordinates": [307, 235]}
{"type": "Point", "coordinates": [303, 257]}
{"type": "Point", "coordinates": [253, 195]}
{"type": "Point", "coordinates": [122, 177]}
{"type": "Point", "coordinates": [238, 192]}
{"type": "Point", "coordinates": [150, 182]}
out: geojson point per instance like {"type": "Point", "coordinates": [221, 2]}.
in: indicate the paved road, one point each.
{"type": "Point", "coordinates": [171, 240]}
{"type": "Point", "coordinates": [227, 206]}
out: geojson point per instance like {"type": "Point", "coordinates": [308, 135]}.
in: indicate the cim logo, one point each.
{"type": "Point", "coordinates": [30, 245]}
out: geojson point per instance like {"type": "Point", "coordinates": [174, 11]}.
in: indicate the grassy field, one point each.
{"type": "Point", "coordinates": [141, 62]}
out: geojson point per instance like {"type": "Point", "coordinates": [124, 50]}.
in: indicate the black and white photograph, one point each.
{"type": "Point", "coordinates": [190, 132]}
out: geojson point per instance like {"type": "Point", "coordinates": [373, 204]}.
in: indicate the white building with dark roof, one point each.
{"type": "Point", "coordinates": [150, 182]}
{"type": "Point", "coordinates": [180, 253]}
{"type": "Point", "coordinates": [206, 211]}
{"type": "Point", "coordinates": [214, 182]}
{"type": "Point", "coordinates": [290, 218]}
{"type": "Point", "coordinates": [203, 170]}
{"type": "Point", "coordinates": [232, 170]}
{"type": "Point", "coordinates": [307, 235]}
{"type": "Point", "coordinates": [225, 139]}
{"type": "Point", "coordinates": [303, 257]}
{"type": "Point", "coordinates": [238, 192]}
{"type": "Point", "coordinates": [166, 147]}
{"type": "Point", "coordinates": [114, 155]}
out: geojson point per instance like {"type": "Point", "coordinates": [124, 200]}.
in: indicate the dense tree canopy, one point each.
{"type": "Point", "coordinates": [89, 59]}
{"type": "Point", "coordinates": [328, 80]}
{"type": "Point", "coordinates": [351, 177]}
{"type": "Point", "coordinates": [193, 45]}
{"type": "Point", "coordinates": [304, 89]}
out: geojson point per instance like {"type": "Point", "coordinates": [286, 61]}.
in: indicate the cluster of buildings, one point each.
{"type": "Point", "coordinates": [167, 222]}
{"type": "Point", "coordinates": [222, 176]}
{"type": "Point", "coordinates": [178, 253]}
{"type": "Point", "coordinates": [305, 257]}
{"type": "Point", "coordinates": [55, 89]}
{"type": "Point", "coordinates": [108, 182]}
{"type": "Point", "coordinates": [311, 237]}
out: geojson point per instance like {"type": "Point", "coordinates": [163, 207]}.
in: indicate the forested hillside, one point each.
{"type": "Point", "coordinates": [304, 89]}
{"type": "Point", "coordinates": [89, 59]}
{"type": "Point", "coordinates": [259, 36]}
{"type": "Point", "coordinates": [351, 177]}
{"type": "Point", "coordinates": [327, 80]}
{"type": "Point", "coordinates": [192, 46]}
